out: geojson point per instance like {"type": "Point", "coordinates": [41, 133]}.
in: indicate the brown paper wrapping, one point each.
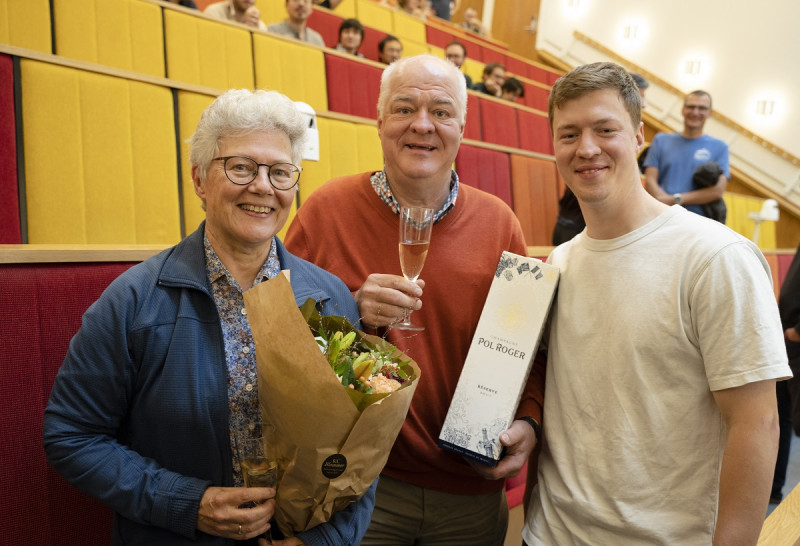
{"type": "Point", "coordinates": [315, 419]}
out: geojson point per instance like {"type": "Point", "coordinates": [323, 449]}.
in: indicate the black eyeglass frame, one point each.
{"type": "Point", "coordinates": [225, 159]}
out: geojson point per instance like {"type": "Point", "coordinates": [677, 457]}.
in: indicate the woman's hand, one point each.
{"type": "Point", "coordinates": [383, 299]}
{"type": "Point", "coordinates": [223, 513]}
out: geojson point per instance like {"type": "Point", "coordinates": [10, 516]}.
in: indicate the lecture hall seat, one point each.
{"type": "Point", "coordinates": [41, 306]}
{"type": "Point", "coordinates": [536, 191]}
{"type": "Point", "coordinates": [9, 198]}
{"type": "Point", "coordinates": [327, 24]}
{"type": "Point", "coordinates": [498, 122]}
{"type": "Point", "coordinates": [534, 132]}
{"type": "Point", "coordinates": [353, 86]}
{"type": "Point", "coordinates": [485, 169]}
{"type": "Point", "coordinates": [101, 174]}
{"type": "Point", "coordinates": [26, 23]}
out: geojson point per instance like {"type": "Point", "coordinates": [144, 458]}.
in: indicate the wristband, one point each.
{"type": "Point", "coordinates": [537, 428]}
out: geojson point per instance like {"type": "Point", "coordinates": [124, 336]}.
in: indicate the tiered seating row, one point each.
{"type": "Point", "coordinates": [115, 123]}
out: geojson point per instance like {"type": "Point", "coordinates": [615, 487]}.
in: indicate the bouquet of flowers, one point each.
{"type": "Point", "coordinates": [337, 398]}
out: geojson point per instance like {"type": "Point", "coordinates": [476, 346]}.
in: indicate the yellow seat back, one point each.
{"type": "Point", "coordinates": [125, 34]}
{"type": "Point", "coordinates": [26, 23]}
{"type": "Point", "coordinates": [207, 52]}
{"type": "Point", "coordinates": [101, 165]}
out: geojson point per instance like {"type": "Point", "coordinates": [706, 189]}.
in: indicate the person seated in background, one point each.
{"type": "Point", "coordinates": [161, 375]}
{"type": "Point", "coordinates": [512, 89]}
{"type": "Point", "coordinates": [184, 3]}
{"type": "Point", "coordinates": [389, 49]}
{"type": "Point", "coordinates": [240, 11]}
{"type": "Point", "coordinates": [330, 4]}
{"type": "Point", "coordinates": [456, 53]}
{"type": "Point", "coordinates": [494, 76]}
{"type": "Point", "coordinates": [412, 7]}
{"type": "Point", "coordinates": [642, 84]}
{"type": "Point", "coordinates": [443, 9]}
{"type": "Point", "coordinates": [473, 24]}
{"type": "Point", "coordinates": [351, 34]}
{"type": "Point", "coordinates": [295, 26]}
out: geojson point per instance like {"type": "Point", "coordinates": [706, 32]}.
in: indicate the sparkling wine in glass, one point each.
{"type": "Point", "coordinates": [258, 461]}
{"type": "Point", "coordinates": [416, 224]}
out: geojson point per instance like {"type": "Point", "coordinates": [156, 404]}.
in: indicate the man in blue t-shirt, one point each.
{"type": "Point", "coordinates": [673, 158]}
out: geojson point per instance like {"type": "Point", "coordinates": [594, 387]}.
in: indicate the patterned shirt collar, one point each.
{"type": "Point", "coordinates": [216, 269]}
{"type": "Point", "coordinates": [381, 185]}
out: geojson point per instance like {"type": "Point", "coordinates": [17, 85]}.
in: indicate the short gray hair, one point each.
{"type": "Point", "coordinates": [396, 69]}
{"type": "Point", "coordinates": [240, 112]}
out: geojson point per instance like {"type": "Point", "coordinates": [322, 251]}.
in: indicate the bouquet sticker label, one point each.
{"type": "Point", "coordinates": [334, 466]}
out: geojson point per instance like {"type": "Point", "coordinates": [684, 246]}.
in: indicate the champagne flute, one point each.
{"type": "Point", "coordinates": [416, 224]}
{"type": "Point", "coordinates": [257, 460]}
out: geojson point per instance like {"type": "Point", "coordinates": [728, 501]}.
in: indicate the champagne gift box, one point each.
{"type": "Point", "coordinates": [499, 358]}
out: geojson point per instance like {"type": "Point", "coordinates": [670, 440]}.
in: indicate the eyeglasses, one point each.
{"type": "Point", "coordinates": [243, 170]}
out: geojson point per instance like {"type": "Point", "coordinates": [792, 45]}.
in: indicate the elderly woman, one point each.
{"type": "Point", "coordinates": [163, 368]}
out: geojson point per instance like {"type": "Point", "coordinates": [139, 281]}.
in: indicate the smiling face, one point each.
{"type": "Point", "coordinates": [420, 125]}
{"type": "Point", "coordinates": [696, 110]}
{"type": "Point", "coordinates": [596, 146]}
{"type": "Point", "coordinates": [350, 39]}
{"type": "Point", "coordinates": [244, 218]}
{"type": "Point", "coordinates": [495, 79]}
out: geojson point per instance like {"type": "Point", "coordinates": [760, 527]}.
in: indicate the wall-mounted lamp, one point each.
{"type": "Point", "coordinates": [693, 67]}
{"type": "Point", "coordinates": [630, 32]}
{"type": "Point", "coordinates": [765, 107]}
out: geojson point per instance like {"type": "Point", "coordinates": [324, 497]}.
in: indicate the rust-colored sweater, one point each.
{"type": "Point", "coordinates": [345, 228]}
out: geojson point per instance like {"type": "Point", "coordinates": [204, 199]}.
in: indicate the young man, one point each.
{"type": "Point", "coordinates": [569, 221]}
{"type": "Point", "coordinates": [456, 53]}
{"type": "Point", "coordinates": [389, 49]}
{"type": "Point", "coordinates": [349, 227]}
{"type": "Point", "coordinates": [494, 75]}
{"type": "Point", "coordinates": [664, 348]}
{"type": "Point", "coordinates": [351, 34]}
{"type": "Point", "coordinates": [674, 157]}
{"type": "Point", "coordinates": [240, 11]}
{"type": "Point", "coordinates": [295, 25]}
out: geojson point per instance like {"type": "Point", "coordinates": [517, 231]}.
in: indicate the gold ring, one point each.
{"type": "Point", "coordinates": [240, 528]}
{"type": "Point", "coordinates": [378, 312]}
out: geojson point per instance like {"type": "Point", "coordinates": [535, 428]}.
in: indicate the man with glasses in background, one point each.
{"type": "Point", "coordinates": [673, 158]}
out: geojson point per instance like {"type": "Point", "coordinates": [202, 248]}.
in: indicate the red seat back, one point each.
{"type": "Point", "coordinates": [499, 123]}
{"type": "Point", "coordinates": [485, 169]}
{"type": "Point", "coordinates": [353, 86]}
{"type": "Point", "coordinates": [369, 47]}
{"type": "Point", "coordinates": [534, 132]}
{"type": "Point", "coordinates": [40, 310]}
{"type": "Point", "coordinates": [326, 24]}
{"type": "Point", "coordinates": [9, 198]}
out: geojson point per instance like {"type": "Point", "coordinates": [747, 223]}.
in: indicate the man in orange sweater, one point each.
{"type": "Point", "coordinates": [349, 226]}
